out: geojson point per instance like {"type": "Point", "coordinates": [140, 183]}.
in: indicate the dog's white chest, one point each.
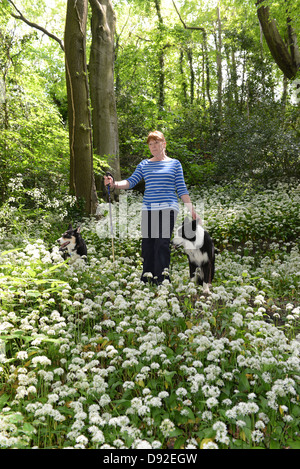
{"type": "Point", "coordinates": [197, 257]}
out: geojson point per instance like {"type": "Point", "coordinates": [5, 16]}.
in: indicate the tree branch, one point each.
{"type": "Point", "coordinates": [287, 63]}
{"type": "Point", "coordinates": [20, 16]}
{"type": "Point", "coordinates": [199, 28]}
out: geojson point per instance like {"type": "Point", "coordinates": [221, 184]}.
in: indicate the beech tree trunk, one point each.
{"type": "Point", "coordinates": [287, 57]}
{"type": "Point", "coordinates": [101, 76]}
{"type": "Point", "coordinates": [80, 132]}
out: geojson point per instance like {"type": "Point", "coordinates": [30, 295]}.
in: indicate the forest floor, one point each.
{"type": "Point", "coordinates": [90, 357]}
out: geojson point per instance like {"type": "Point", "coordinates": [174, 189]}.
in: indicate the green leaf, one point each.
{"type": "Point", "coordinates": [169, 375]}
{"type": "Point", "coordinates": [179, 443]}
{"type": "Point", "coordinates": [244, 385]}
{"type": "Point", "coordinates": [293, 444]}
{"type": "Point", "coordinates": [190, 415]}
{"type": "Point", "coordinates": [275, 444]}
{"type": "Point", "coordinates": [3, 400]}
{"type": "Point", "coordinates": [33, 293]}
{"type": "Point", "coordinates": [176, 432]}
{"type": "Point", "coordinates": [27, 428]}
{"type": "Point", "coordinates": [15, 418]}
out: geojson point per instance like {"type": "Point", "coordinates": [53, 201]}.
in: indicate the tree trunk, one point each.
{"type": "Point", "coordinates": [207, 67]}
{"type": "Point", "coordinates": [161, 59]}
{"type": "Point", "coordinates": [219, 63]}
{"type": "Point", "coordinates": [234, 78]}
{"type": "Point", "coordinates": [192, 74]}
{"type": "Point", "coordinates": [183, 81]}
{"type": "Point", "coordinates": [287, 61]}
{"type": "Point", "coordinates": [101, 75]}
{"type": "Point", "coordinates": [80, 133]}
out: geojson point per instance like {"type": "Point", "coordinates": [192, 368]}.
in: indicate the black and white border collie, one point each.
{"type": "Point", "coordinates": [199, 247]}
{"type": "Point", "coordinates": [72, 244]}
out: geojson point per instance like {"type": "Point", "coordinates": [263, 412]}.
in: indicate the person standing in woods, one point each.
{"type": "Point", "coordinates": [163, 178]}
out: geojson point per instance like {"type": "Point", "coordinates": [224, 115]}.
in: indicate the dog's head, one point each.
{"type": "Point", "coordinates": [189, 234]}
{"type": "Point", "coordinates": [68, 239]}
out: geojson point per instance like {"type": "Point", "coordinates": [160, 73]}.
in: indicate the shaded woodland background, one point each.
{"type": "Point", "coordinates": [205, 73]}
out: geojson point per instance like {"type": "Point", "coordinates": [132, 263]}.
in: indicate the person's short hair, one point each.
{"type": "Point", "coordinates": [156, 135]}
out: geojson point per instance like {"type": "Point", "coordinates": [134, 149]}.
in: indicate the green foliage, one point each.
{"type": "Point", "coordinates": [262, 214]}
{"type": "Point", "coordinates": [33, 139]}
{"type": "Point", "coordinates": [254, 136]}
{"type": "Point", "coordinates": [32, 211]}
{"type": "Point", "coordinates": [258, 146]}
{"type": "Point", "coordinates": [284, 12]}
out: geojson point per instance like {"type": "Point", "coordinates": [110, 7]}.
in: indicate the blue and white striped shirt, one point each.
{"type": "Point", "coordinates": [162, 180]}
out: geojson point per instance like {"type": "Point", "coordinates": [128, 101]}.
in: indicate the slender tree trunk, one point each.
{"type": "Point", "coordinates": [80, 133]}
{"type": "Point", "coordinates": [203, 76]}
{"type": "Point", "coordinates": [161, 81]}
{"type": "Point", "coordinates": [207, 67]}
{"type": "Point", "coordinates": [161, 59]}
{"type": "Point", "coordinates": [219, 63]}
{"type": "Point", "coordinates": [192, 74]}
{"type": "Point", "coordinates": [234, 77]}
{"type": "Point", "coordinates": [183, 81]}
{"type": "Point", "coordinates": [287, 58]}
{"type": "Point", "coordinates": [101, 75]}
{"type": "Point", "coordinates": [243, 84]}
{"type": "Point", "coordinates": [284, 94]}
{"type": "Point", "coordinates": [4, 153]}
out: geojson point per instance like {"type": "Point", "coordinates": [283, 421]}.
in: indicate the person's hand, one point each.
{"type": "Point", "coordinates": [195, 216]}
{"type": "Point", "coordinates": [108, 181]}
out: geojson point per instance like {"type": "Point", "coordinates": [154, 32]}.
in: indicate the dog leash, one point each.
{"type": "Point", "coordinates": [110, 216]}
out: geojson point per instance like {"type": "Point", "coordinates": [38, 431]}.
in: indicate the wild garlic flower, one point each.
{"type": "Point", "coordinates": [166, 427]}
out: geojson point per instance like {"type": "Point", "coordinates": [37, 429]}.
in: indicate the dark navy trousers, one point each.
{"type": "Point", "coordinates": [157, 228]}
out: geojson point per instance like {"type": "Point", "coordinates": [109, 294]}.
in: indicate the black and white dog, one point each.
{"type": "Point", "coordinates": [199, 247]}
{"type": "Point", "coordinates": [72, 243]}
